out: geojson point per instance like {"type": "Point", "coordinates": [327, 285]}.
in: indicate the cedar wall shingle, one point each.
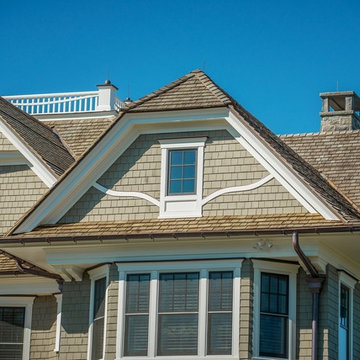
{"type": "Point", "coordinates": [43, 328]}
{"type": "Point", "coordinates": [20, 188]}
{"type": "Point", "coordinates": [226, 164]}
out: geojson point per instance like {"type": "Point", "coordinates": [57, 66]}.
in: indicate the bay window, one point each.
{"type": "Point", "coordinates": [179, 310]}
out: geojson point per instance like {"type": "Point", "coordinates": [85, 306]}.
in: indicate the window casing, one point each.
{"type": "Point", "coordinates": [15, 327]}
{"type": "Point", "coordinates": [345, 329]}
{"type": "Point", "coordinates": [181, 181]}
{"type": "Point", "coordinates": [274, 308]}
{"type": "Point", "coordinates": [179, 310]}
{"type": "Point", "coordinates": [98, 309]}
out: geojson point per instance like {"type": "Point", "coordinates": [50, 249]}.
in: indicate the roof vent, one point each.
{"type": "Point", "coordinates": [340, 111]}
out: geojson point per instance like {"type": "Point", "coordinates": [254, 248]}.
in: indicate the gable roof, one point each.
{"type": "Point", "coordinates": [332, 154]}
{"type": "Point", "coordinates": [43, 142]}
{"type": "Point", "coordinates": [207, 94]}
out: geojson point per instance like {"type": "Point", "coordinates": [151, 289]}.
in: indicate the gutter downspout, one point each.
{"type": "Point", "coordinates": [315, 283]}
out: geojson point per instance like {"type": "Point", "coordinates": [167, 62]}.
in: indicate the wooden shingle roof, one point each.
{"type": "Point", "coordinates": [43, 142]}
{"type": "Point", "coordinates": [154, 227]}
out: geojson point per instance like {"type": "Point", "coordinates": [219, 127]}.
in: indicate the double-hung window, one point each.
{"type": "Point", "coordinates": [97, 324]}
{"type": "Point", "coordinates": [274, 310]}
{"type": "Point", "coordinates": [181, 177]}
{"type": "Point", "coordinates": [15, 325]}
{"type": "Point", "coordinates": [169, 312]}
{"type": "Point", "coordinates": [345, 330]}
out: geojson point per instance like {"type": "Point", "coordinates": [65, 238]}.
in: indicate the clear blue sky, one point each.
{"type": "Point", "coordinates": [274, 57]}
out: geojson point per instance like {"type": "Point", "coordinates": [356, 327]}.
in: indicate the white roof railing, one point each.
{"type": "Point", "coordinates": [104, 99]}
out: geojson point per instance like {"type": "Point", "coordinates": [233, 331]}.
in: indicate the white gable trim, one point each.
{"type": "Point", "coordinates": [37, 166]}
{"type": "Point", "coordinates": [281, 172]}
{"type": "Point", "coordinates": [126, 130]}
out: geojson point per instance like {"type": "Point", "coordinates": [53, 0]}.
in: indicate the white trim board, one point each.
{"type": "Point", "coordinates": [124, 132]}
{"type": "Point", "coordinates": [37, 167]}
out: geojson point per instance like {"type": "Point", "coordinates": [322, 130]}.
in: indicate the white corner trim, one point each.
{"type": "Point", "coordinates": [275, 268]}
{"type": "Point", "coordinates": [26, 302]}
{"type": "Point", "coordinates": [282, 173]}
{"type": "Point", "coordinates": [58, 322]}
{"type": "Point", "coordinates": [37, 166]}
{"type": "Point", "coordinates": [136, 194]}
{"type": "Point", "coordinates": [248, 187]}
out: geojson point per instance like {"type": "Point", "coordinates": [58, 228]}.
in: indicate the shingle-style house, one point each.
{"type": "Point", "coordinates": [176, 227]}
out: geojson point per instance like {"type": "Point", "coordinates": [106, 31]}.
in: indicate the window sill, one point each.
{"type": "Point", "coordinates": [267, 358]}
{"type": "Point", "coordinates": [185, 357]}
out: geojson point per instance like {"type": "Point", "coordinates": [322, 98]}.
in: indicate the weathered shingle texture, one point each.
{"type": "Point", "coordinates": [45, 143]}
{"type": "Point", "coordinates": [81, 133]}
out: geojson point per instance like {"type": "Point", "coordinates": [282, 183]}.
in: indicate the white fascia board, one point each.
{"type": "Point", "coordinates": [109, 148]}
{"type": "Point", "coordinates": [37, 167]}
{"type": "Point", "coordinates": [281, 172]}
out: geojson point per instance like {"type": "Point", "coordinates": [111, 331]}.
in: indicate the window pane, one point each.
{"type": "Point", "coordinates": [178, 334]}
{"type": "Point", "coordinates": [176, 172]}
{"type": "Point", "coordinates": [98, 339]}
{"type": "Point", "coordinates": [175, 186]}
{"type": "Point", "coordinates": [220, 334]}
{"type": "Point", "coordinates": [136, 339]}
{"type": "Point", "coordinates": [176, 157]}
{"type": "Point", "coordinates": [273, 336]}
{"type": "Point", "coordinates": [189, 186]}
{"type": "Point", "coordinates": [220, 290]}
{"type": "Point", "coordinates": [179, 292]}
{"type": "Point", "coordinates": [189, 157]}
{"type": "Point", "coordinates": [12, 324]}
{"type": "Point", "coordinates": [189, 172]}
{"type": "Point", "coordinates": [99, 297]}
{"type": "Point", "coordinates": [137, 293]}
{"type": "Point", "coordinates": [11, 352]}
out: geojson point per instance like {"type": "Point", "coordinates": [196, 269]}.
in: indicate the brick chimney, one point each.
{"type": "Point", "coordinates": [340, 111]}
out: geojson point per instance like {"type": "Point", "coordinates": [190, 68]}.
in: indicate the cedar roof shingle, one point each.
{"type": "Point", "coordinates": [45, 143]}
{"type": "Point", "coordinates": [184, 225]}
{"type": "Point", "coordinates": [80, 134]}
{"type": "Point", "coordinates": [332, 154]}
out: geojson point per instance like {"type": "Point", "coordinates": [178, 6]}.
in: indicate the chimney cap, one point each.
{"type": "Point", "coordinates": [337, 99]}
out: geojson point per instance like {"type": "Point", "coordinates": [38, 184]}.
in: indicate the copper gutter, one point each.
{"type": "Point", "coordinates": [315, 283]}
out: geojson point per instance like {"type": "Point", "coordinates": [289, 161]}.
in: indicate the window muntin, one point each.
{"type": "Point", "coordinates": [344, 323]}
{"type": "Point", "coordinates": [98, 319]}
{"type": "Point", "coordinates": [182, 171]}
{"type": "Point", "coordinates": [220, 300]}
{"type": "Point", "coordinates": [274, 311]}
{"type": "Point", "coordinates": [12, 322]}
{"type": "Point", "coordinates": [137, 314]}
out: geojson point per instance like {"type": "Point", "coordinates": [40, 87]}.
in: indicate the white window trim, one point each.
{"type": "Point", "coordinates": [96, 274]}
{"type": "Point", "coordinates": [282, 269]}
{"type": "Point", "coordinates": [349, 282]}
{"type": "Point", "coordinates": [26, 302]}
{"type": "Point", "coordinates": [204, 267]}
{"type": "Point", "coordinates": [185, 205]}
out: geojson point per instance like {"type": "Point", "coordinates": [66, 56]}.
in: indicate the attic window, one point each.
{"type": "Point", "coordinates": [181, 177]}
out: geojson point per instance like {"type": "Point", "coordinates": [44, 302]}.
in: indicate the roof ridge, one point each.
{"type": "Point", "coordinates": [159, 92]}
{"type": "Point", "coordinates": [200, 75]}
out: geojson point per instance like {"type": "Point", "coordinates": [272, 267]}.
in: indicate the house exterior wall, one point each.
{"type": "Point", "coordinates": [43, 328]}
{"type": "Point", "coordinates": [75, 320]}
{"type": "Point", "coordinates": [5, 144]}
{"type": "Point", "coordinates": [20, 188]}
{"type": "Point", "coordinates": [226, 164]}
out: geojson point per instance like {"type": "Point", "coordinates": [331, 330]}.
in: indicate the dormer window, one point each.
{"type": "Point", "coordinates": [181, 177]}
{"type": "Point", "coordinates": [182, 172]}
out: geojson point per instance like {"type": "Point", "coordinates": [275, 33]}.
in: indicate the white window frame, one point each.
{"type": "Point", "coordinates": [187, 205]}
{"type": "Point", "coordinates": [27, 303]}
{"type": "Point", "coordinates": [276, 268]}
{"type": "Point", "coordinates": [349, 282]}
{"type": "Point", "coordinates": [154, 269]}
{"type": "Point", "coordinates": [96, 274]}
